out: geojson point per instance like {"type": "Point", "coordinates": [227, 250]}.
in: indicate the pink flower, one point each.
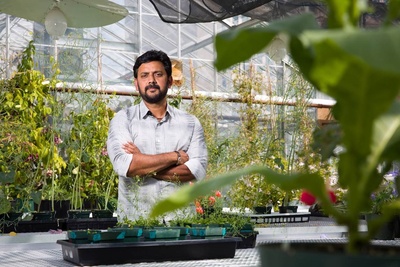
{"type": "Point", "coordinates": [104, 152]}
{"type": "Point", "coordinates": [199, 210]}
{"type": "Point", "coordinates": [57, 140]}
{"type": "Point", "coordinates": [197, 203]}
{"type": "Point", "coordinates": [211, 201]}
{"type": "Point", "coordinates": [32, 157]}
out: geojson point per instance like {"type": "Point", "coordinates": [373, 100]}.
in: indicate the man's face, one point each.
{"type": "Point", "coordinates": [152, 81]}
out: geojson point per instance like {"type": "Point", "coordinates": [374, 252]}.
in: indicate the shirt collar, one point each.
{"type": "Point", "coordinates": [145, 112]}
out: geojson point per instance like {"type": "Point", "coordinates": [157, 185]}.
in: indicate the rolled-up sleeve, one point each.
{"type": "Point", "coordinates": [197, 152]}
{"type": "Point", "coordinates": [118, 134]}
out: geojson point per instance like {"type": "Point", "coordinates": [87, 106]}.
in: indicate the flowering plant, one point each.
{"type": "Point", "coordinates": [209, 204]}
{"type": "Point", "coordinates": [386, 193]}
{"type": "Point", "coordinates": [209, 209]}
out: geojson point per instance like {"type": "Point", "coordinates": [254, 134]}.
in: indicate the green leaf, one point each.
{"type": "Point", "coordinates": [5, 204]}
{"type": "Point", "coordinates": [36, 196]}
{"type": "Point", "coordinates": [345, 13]}
{"type": "Point", "coordinates": [7, 177]}
{"type": "Point", "coordinates": [235, 46]}
{"type": "Point", "coordinates": [188, 193]}
{"type": "Point", "coordinates": [386, 139]}
{"type": "Point", "coordinates": [393, 11]}
{"type": "Point", "coordinates": [355, 75]}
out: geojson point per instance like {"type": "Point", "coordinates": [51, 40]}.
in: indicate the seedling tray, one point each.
{"type": "Point", "coordinates": [148, 251]}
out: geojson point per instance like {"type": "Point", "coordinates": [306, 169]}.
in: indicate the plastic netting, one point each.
{"type": "Point", "coordinates": [198, 11]}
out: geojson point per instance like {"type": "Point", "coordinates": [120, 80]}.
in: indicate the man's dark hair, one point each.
{"type": "Point", "coordinates": [153, 55]}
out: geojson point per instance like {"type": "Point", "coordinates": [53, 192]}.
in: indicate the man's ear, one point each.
{"type": "Point", "coordinates": [136, 85]}
{"type": "Point", "coordinates": [170, 81]}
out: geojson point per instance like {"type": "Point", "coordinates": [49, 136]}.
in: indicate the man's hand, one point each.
{"type": "Point", "coordinates": [131, 148]}
{"type": "Point", "coordinates": [184, 157]}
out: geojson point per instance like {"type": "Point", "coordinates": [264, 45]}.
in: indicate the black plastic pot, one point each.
{"type": "Point", "coordinates": [102, 214]}
{"type": "Point", "coordinates": [43, 216]}
{"type": "Point", "coordinates": [262, 209]}
{"type": "Point", "coordinates": [288, 209]}
{"type": "Point", "coordinates": [61, 207]}
{"type": "Point", "coordinates": [387, 230]}
{"type": "Point", "coordinates": [248, 240]}
{"type": "Point", "coordinates": [79, 214]}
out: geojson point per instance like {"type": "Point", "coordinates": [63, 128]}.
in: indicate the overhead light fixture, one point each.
{"type": "Point", "coordinates": [57, 15]}
{"type": "Point", "coordinates": [55, 22]}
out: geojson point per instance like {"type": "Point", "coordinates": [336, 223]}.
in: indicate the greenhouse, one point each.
{"type": "Point", "coordinates": [297, 99]}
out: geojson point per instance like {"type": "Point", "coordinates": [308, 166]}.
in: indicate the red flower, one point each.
{"type": "Point", "coordinates": [197, 204]}
{"type": "Point", "coordinates": [307, 198]}
{"type": "Point", "coordinates": [332, 196]}
{"type": "Point", "coordinates": [218, 193]}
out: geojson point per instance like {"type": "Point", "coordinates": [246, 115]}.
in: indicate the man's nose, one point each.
{"type": "Point", "coordinates": [152, 79]}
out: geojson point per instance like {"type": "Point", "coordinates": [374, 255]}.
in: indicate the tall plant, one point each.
{"type": "Point", "coordinates": [258, 142]}
{"type": "Point", "coordinates": [29, 139]}
{"type": "Point", "coordinates": [89, 174]}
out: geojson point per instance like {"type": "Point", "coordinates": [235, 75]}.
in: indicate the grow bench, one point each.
{"type": "Point", "coordinates": [280, 217]}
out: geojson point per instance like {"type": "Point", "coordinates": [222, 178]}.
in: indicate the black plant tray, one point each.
{"type": "Point", "coordinates": [30, 226]}
{"type": "Point", "coordinates": [148, 251]}
{"type": "Point", "coordinates": [92, 223]}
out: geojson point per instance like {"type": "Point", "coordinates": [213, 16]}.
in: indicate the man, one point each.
{"type": "Point", "coordinates": [153, 146]}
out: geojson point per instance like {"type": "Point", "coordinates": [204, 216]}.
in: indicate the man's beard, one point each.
{"type": "Point", "coordinates": [154, 98]}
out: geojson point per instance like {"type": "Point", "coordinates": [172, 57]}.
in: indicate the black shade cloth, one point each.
{"type": "Point", "coordinates": [193, 11]}
{"type": "Point", "coordinates": [198, 11]}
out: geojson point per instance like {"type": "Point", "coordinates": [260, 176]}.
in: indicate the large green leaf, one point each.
{"type": "Point", "coordinates": [188, 193]}
{"type": "Point", "coordinates": [362, 79]}
{"type": "Point", "coordinates": [238, 45]}
{"type": "Point", "coordinates": [386, 139]}
{"type": "Point", "coordinates": [384, 146]}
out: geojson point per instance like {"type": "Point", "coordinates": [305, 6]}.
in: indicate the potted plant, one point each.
{"type": "Point", "coordinates": [269, 149]}
{"type": "Point", "coordinates": [49, 163]}
{"type": "Point", "coordinates": [211, 218]}
{"type": "Point", "coordinates": [29, 151]}
{"type": "Point", "coordinates": [88, 176]}
{"type": "Point", "coordinates": [360, 69]}
{"type": "Point", "coordinates": [93, 180]}
{"type": "Point", "coordinates": [288, 205]}
{"type": "Point", "coordinates": [386, 193]}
